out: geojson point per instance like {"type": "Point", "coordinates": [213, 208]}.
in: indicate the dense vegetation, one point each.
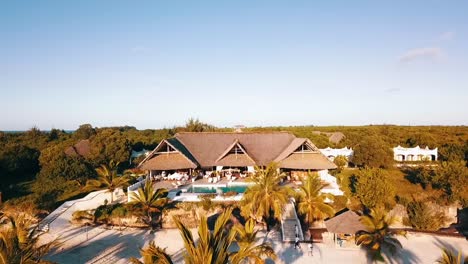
{"type": "Point", "coordinates": [37, 169]}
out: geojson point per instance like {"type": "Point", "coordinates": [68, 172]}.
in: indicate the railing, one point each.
{"type": "Point", "coordinates": [44, 225]}
{"type": "Point", "coordinates": [290, 222]}
{"type": "Point", "coordinates": [134, 189]}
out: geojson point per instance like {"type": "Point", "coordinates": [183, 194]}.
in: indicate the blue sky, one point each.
{"type": "Point", "coordinates": [154, 64]}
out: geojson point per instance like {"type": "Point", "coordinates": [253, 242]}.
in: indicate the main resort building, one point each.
{"type": "Point", "coordinates": [237, 153]}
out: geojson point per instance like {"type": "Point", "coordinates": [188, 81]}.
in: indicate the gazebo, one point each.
{"type": "Point", "coordinates": [344, 226]}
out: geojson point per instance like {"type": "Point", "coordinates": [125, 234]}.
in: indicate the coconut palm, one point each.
{"type": "Point", "coordinates": [19, 243]}
{"type": "Point", "coordinates": [266, 198]}
{"type": "Point", "coordinates": [108, 179]}
{"type": "Point", "coordinates": [312, 201]}
{"type": "Point", "coordinates": [451, 257]}
{"type": "Point", "coordinates": [212, 247]}
{"type": "Point", "coordinates": [151, 201]}
{"type": "Point", "coordinates": [378, 235]}
{"type": "Point", "coordinates": [249, 251]}
{"type": "Point", "coordinates": [153, 254]}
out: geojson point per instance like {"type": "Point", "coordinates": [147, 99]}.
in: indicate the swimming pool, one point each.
{"type": "Point", "coordinates": [204, 189]}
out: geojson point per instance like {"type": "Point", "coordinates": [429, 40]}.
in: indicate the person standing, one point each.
{"type": "Point", "coordinates": [311, 249]}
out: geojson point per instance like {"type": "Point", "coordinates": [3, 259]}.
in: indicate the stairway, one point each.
{"type": "Point", "coordinates": [44, 224]}
{"type": "Point", "coordinates": [289, 222]}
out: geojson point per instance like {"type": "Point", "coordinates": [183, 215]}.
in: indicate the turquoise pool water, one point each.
{"type": "Point", "coordinates": [199, 189]}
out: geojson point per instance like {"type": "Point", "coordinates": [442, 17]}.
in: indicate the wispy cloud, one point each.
{"type": "Point", "coordinates": [432, 53]}
{"type": "Point", "coordinates": [447, 35]}
{"type": "Point", "coordinates": [392, 90]}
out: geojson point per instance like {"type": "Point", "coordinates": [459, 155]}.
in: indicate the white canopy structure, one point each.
{"type": "Point", "coordinates": [414, 154]}
{"type": "Point", "coordinates": [332, 153]}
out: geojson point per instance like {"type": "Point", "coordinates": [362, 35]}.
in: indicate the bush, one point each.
{"type": "Point", "coordinates": [104, 213]}
{"type": "Point", "coordinates": [205, 200]}
{"type": "Point", "coordinates": [421, 217]}
{"type": "Point", "coordinates": [82, 215]}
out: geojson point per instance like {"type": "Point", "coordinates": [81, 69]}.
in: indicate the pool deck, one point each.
{"type": "Point", "coordinates": [199, 182]}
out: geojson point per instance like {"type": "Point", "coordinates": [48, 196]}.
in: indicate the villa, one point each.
{"type": "Point", "coordinates": [332, 153]}
{"type": "Point", "coordinates": [414, 154]}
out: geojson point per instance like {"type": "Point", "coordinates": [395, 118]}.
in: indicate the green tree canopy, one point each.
{"type": "Point", "coordinates": [85, 131]}
{"type": "Point", "coordinates": [373, 152]}
{"type": "Point", "coordinates": [58, 167]}
{"type": "Point", "coordinates": [373, 188]}
{"type": "Point", "coordinates": [195, 125]}
{"type": "Point", "coordinates": [453, 178]}
{"type": "Point", "coordinates": [109, 145]}
{"type": "Point", "coordinates": [17, 163]}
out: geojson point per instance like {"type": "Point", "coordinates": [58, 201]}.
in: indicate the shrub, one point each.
{"type": "Point", "coordinates": [82, 215]}
{"type": "Point", "coordinates": [421, 217]}
{"type": "Point", "coordinates": [205, 201]}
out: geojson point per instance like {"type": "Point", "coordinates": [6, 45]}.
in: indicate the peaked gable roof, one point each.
{"type": "Point", "coordinates": [207, 147]}
{"type": "Point", "coordinates": [180, 158]}
{"type": "Point", "coordinates": [235, 159]}
{"type": "Point", "coordinates": [309, 159]}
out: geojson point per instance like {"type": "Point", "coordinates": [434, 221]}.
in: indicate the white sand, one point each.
{"type": "Point", "coordinates": [112, 246]}
{"type": "Point", "coordinates": [98, 245]}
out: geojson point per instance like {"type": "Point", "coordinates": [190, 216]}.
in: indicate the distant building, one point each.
{"type": "Point", "coordinates": [414, 154]}
{"type": "Point", "coordinates": [82, 148]}
{"type": "Point", "coordinates": [332, 153]}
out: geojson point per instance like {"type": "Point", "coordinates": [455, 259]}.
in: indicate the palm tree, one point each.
{"type": "Point", "coordinates": [212, 247]}
{"type": "Point", "coordinates": [266, 198]}
{"type": "Point", "coordinates": [152, 202]}
{"type": "Point", "coordinates": [249, 251]}
{"type": "Point", "coordinates": [378, 235]}
{"type": "Point", "coordinates": [451, 257]}
{"type": "Point", "coordinates": [312, 200]}
{"type": "Point", "coordinates": [108, 179]}
{"type": "Point", "coordinates": [18, 243]}
{"type": "Point", "coordinates": [153, 254]}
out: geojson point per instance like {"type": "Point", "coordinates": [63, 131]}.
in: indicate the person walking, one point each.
{"type": "Point", "coordinates": [296, 243]}
{"type": "Point", "coordinates": [296, 229]}
{"type": "Point", "coordinates": [311, 249]}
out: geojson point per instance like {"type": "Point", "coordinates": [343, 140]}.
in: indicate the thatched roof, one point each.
{"type": "Point", "coordinates": [217, 149]}
{"type": "Point", "coordinates": [307, 161]}
{"type": "Point", "coordinates": [345, 223]}
{"type": "Point", "coordinates": [169, 161]}
{"type": "Point", "coordinates": [82, 148]}
{"type": "Point", "coordinates": [261, 147]}
{"type": "Point", "coordinates": [233, 160]}
{"type": "Point", "coordinates": [180, 158]}
{"type": "Point", "coordinates": [241, 159]}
